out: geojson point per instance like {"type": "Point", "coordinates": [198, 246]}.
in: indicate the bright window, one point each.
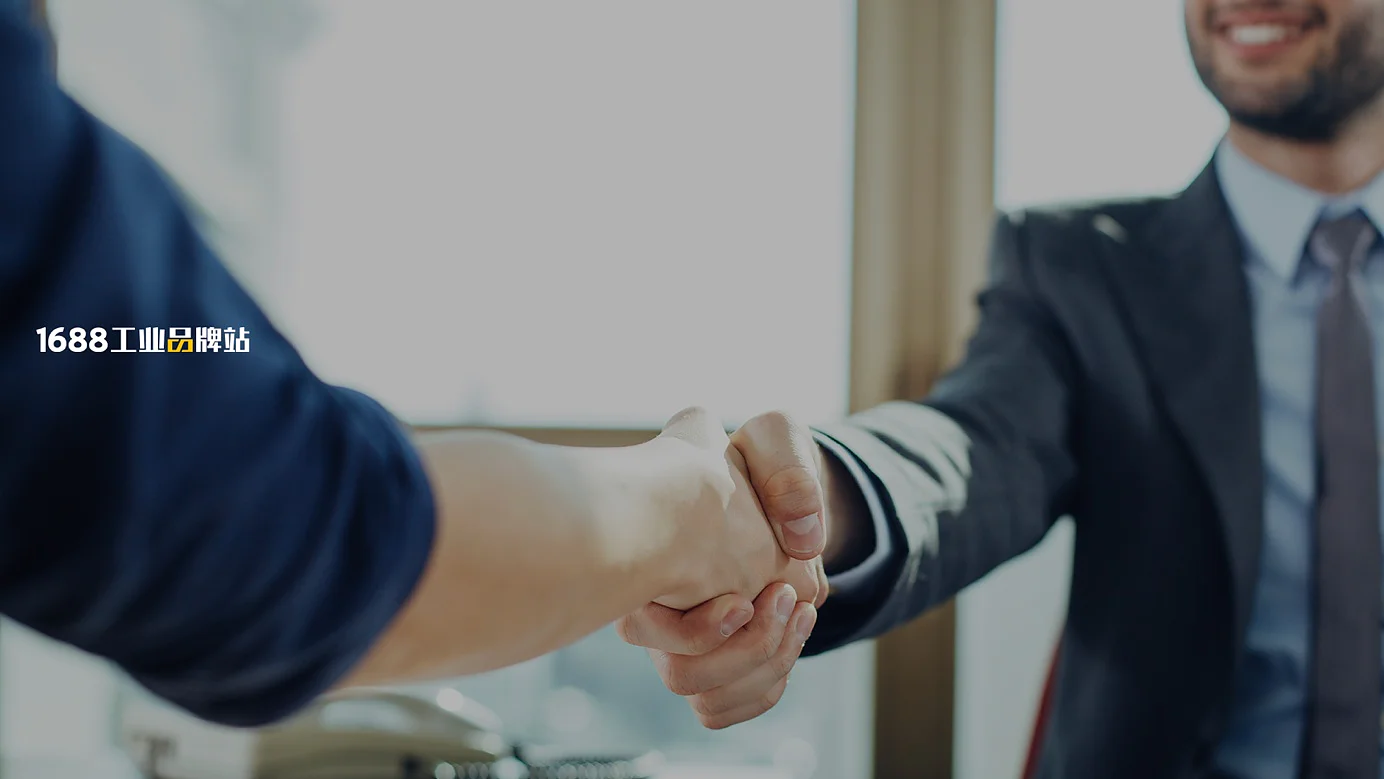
{"type": "Point", "coordinates": [549, 213]}
{"type": "Point", "coordinates": [590, 214]}
{"type": "Point", "coordinates": [1084, 115]}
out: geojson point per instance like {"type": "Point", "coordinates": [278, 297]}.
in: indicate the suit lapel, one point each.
{"type": "Point", "coordinates": [1180, 276]}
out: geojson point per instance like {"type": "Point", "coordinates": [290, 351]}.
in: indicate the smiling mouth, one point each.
{"type": "Point", "coordinates": [1269, 25]}
{"type": "Point", "coordinates": [1263, 34]}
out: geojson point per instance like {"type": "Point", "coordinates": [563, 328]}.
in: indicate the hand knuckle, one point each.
{"type": "Point", "coordinates": [783, 664]}
{"type": "Point", "coordinates": [807, 593]}
{"type": "Point", "coordinates": [703, 641]}
{"type": "Point", "coordinates": [628, 631]}
{"type": "Point", "coordinates": [680, 686]}
{"type": "Point", "coordinates": [778, 418]}
{"type": "Point", "coordinates": [687, 640]}
{"type": "Point", "coordinates": [790, 494]}
{"type": "Point", "coordinates": [766, 647]}
{"type": "Point", "coordinates": [714, 723]}
{"type": "Point", "coordinates": [705, 719]}
{"type": "Point", "coordinates": [769, 699]}
{"type": "Point", "coordinates": [805, 581]}
{"type": "Point", "coordinates": [708, 706]}
{"type": "Point", "coordinates": [692, 412]}
{"type": "Point", "coordinates": [661, 661]}
{"type": "Point", "coordinates": [770, 424]}
{"type": "Point", "coordinates": [791, 483]}
{"type": "Point", "coordinates": [681, 680]}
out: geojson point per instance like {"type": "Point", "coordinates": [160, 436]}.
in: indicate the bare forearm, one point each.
{"type": "Point", "coordinates": [536, 546]}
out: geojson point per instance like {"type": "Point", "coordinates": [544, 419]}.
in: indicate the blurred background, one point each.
{"type": "Point", "coordinates": [389, 178]}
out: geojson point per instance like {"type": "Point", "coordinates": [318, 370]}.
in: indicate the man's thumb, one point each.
{"type": "Point", "coordinates": [780, 456]}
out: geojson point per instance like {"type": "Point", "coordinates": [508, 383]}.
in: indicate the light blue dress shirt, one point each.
{"type": "Point", "coordinates": [1275, 218]}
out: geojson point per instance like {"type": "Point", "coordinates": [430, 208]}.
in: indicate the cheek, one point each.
{"type": "Point", "coordinates": [1192, 18]}
{"type": "Point", "coordinates": [1200, 38]}
{"type": "Point", "coordinates": [1342, 9]}
{"type": "Point", "coordinates": [1355, 15]}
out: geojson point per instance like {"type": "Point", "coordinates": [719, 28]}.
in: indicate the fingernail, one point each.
{"type": "Point", "coordinates": [805, 625]}
{"type": "Point", "coordinates": [784, 607]}
{"type": "Point", "coordinates": [803, 535]}
{"type": "Point", "coordinates": [735, 620]}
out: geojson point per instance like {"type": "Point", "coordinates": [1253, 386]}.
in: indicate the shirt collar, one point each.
{"type": "Point", "coordinates": [1275, 216]}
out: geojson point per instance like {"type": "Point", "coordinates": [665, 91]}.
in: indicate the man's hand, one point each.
{"type": "Point", "coordinates": [783, 468]}
{"type": "Point", "coordinates": [734, 551]}
{"type": "Point", "coordinates": [728, 676]}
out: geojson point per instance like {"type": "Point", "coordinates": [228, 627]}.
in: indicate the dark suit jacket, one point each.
{"type": "Point", "coordinates": [226, 527]}
{"type": "Point", "coordinates": [1111, 378]}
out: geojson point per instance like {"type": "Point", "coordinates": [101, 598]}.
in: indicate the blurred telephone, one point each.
{"type": "Point", "coordinates": [384, 734]}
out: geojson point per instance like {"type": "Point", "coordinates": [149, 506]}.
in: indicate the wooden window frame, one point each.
{"type": "Point", "coordinates": [924, 207]}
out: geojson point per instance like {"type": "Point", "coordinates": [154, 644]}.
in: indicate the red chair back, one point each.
{"type": "Point", "coordinates": [1040, 722]}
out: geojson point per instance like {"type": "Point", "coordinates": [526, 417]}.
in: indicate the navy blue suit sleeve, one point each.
{"type": "Point", "coordinates": [859, 590]}
{"type": "Point", "coordinates": [229, 529]}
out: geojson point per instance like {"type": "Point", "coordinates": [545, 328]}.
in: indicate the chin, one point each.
{"type": "Point", "coordinates": [1290, 70]}
{"type": "Point", "coordinates": [1262, 99]}
{"type": "Point", "coordinates": [1298, 124]}
{"type": "Point", "coordinates": [1259, 90]}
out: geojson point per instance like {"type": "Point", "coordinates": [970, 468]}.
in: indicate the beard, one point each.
{"type": "Point", "coordinates": [1316, 106]}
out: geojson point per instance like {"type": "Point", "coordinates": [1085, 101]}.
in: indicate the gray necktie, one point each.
{"type": "Point", "coordinates": [1343, 732]}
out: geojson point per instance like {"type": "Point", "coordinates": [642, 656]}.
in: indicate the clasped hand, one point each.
{"type": "Point", "coordinates": [728, 641]}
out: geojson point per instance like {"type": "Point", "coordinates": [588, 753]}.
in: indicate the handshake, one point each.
{"type": "Point", "coordinates": [751, 534]}
{"type": "Point", "coordinates": [707, 549]}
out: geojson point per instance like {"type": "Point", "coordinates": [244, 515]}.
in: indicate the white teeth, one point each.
{"type": "Point", "coordinates": [1258, 34]}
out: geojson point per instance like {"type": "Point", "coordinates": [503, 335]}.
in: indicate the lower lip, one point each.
{"type": "Point", "coordinates": [1262, 52]}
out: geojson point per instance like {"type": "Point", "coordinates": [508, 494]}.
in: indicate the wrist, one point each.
{"type": "Point", "coordinates": [679, 489]}
{"type": "Point", "coordinates": [846, 544]}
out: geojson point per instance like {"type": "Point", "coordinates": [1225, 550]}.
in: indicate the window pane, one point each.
{"type": "Point", "coordinates": [552, 213]}
{"type": "Point", "coordinates": [1082, 115]}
